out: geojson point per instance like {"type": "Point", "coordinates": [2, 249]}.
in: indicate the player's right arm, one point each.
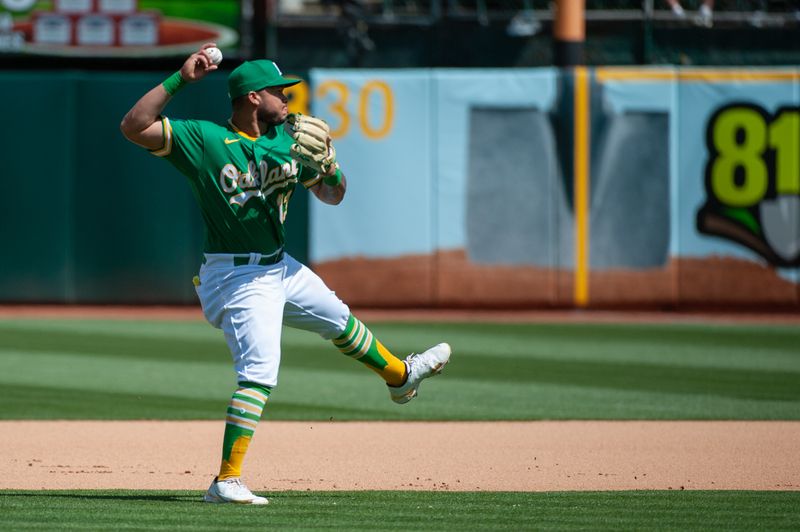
{"type": "Point", "coordinates": [142, 124]}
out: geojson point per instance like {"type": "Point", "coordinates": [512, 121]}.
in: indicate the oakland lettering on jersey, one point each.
{"type": "Point", "coordinates": [259, 181]}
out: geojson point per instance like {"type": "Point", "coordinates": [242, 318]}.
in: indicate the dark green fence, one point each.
{"type": "Point", "coordinates": [88, 217]}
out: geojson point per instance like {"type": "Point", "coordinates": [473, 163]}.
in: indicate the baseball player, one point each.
{"type": "Point", "coordinates": [243, 175]}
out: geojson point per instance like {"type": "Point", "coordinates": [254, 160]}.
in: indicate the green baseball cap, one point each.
{"type": "Point", "coordinates": [256, 75]}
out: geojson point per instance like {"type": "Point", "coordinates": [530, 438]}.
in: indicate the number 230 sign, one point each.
{"type": "Point", "coordinates": [345, 109]}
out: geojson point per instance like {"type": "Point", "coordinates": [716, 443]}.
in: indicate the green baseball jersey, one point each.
{"type": "Point", "coordinates": [242, 184]}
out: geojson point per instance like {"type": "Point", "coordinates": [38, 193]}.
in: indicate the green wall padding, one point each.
{"type": "Point", "coordinates": [87, 216]}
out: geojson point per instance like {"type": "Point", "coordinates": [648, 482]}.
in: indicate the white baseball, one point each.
{"type": "Point", "coordinates": [214, 54]}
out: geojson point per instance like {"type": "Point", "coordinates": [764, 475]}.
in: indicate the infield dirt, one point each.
{"type": "Point", "coordinates": [457, 456]}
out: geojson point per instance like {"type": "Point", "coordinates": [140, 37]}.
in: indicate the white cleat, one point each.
{"type": "Point", "coordinates": [231, 490]}
{"type": "Point", "coordinates": [419, 367]}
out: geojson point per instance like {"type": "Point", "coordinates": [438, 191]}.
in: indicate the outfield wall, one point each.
{"type": "Point", "coordinates": [507, 187]}
{"type": "Point", "coordinates": [536, 187]}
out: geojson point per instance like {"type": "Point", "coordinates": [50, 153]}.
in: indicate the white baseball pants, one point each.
{"type": "Point", "coordinates": [251, 303]}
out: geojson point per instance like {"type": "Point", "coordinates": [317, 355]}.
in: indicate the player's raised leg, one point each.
{"type": "Point", "coordinates": [312, 306]}
{"type": "Point", "coordinates": [358, 343]}
{"type": "Point", "coordinates": [402, 376]}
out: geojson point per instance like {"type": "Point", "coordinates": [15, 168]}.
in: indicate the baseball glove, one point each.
{"type": "Point", "coordinates": [312, 145]}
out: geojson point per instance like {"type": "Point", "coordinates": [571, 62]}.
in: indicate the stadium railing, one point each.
{"type": "Point", "coordinates": [766, 13]}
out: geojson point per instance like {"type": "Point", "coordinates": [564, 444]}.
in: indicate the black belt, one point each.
{"type": "Point", "coordinates": [265, 260]}
{"type": "Point", "coordinates": [244, 260]}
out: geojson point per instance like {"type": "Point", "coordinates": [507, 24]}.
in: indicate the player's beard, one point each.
{"type": "Point", "coordinates": [271, 118]}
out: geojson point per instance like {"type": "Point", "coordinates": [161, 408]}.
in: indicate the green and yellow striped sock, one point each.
{"type": "Point", "coordinates": [244, 412]}
{"type": "Point", "coordinates": [358, 343]}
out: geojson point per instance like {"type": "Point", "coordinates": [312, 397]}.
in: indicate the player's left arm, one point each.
{"type": "Point", "coordinates": [313, 148]}
{"type": "Point", "coordinates": [331, 194]}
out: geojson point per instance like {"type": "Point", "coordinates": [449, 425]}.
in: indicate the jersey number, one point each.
{"type": "Point", "coordinates": [282, 201]}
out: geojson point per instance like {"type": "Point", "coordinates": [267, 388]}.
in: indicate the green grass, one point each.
{"type": "Point", "coordinates": [382, 510]}
{"type": "Point", "coordinates": [109, 369]}
{"type": "Point", "coordinates": [112, 369]}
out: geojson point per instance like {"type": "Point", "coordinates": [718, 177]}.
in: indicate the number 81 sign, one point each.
{"type": "Point", "coordinates": [753, 152]}
{"type": "Point", "coordinates": [752, 180]}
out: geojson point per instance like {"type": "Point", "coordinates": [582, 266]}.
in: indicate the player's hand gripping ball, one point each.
{"type": "Point", "coordinates": [214, 54]}
{"type": "Point", "coordinates": [312, 145]}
